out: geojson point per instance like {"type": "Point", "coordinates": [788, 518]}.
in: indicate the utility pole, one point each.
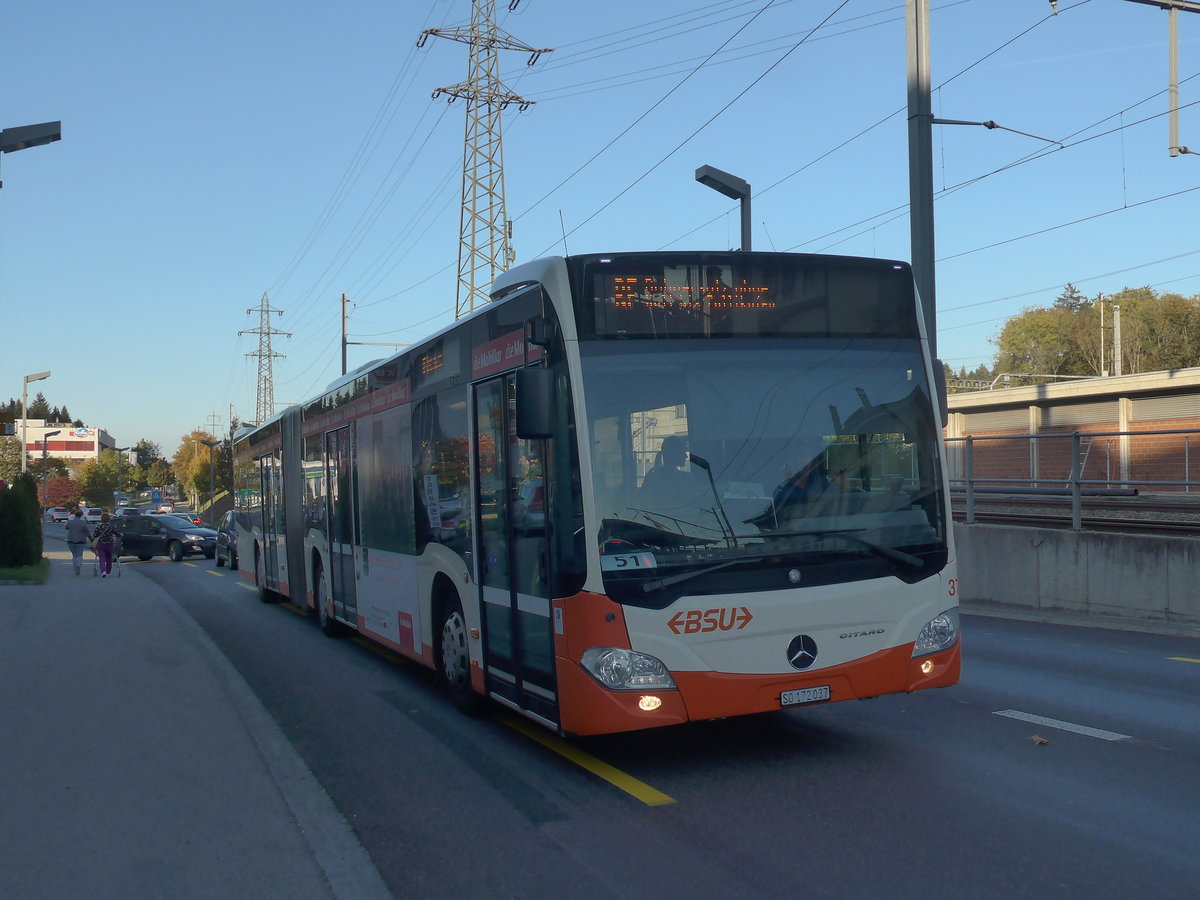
{"type": "Point", "coordinates": [1100, 303]}
{"type": "Point", "coordinates": [344, 332]}
{"type": "Point", "coordinates": [1117, 362]}
{"type": "Point", "coordinates": [1173, 7]}
{"type": "Point", "coordinates": [485, 234]}
{"type": "Point", "coordinates": [264, 406]}
{"type": "Point", "coordinates": [920, 162]}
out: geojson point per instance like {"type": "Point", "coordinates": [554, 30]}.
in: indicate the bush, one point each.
{"type": "Point", "coordinates": [18, 545]}
{"type": "Point", "coordinates": [26, 487]}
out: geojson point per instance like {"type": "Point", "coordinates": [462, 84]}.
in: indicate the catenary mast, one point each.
{"type": "Point", "coordinates": [485, 234]}
{"type": "Point", "coordinates": [264, 406]}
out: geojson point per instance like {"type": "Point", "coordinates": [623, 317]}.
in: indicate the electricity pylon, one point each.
{"type": "Point", "coordinates": [485, 234]}
{"type": "Point", "coordinates": [264, 406]}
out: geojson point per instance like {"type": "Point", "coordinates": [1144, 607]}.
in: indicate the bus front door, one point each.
{"type": "Point", "coordinates": [510, 521]}
{"type": "Point", "coordinates": [342, 521]}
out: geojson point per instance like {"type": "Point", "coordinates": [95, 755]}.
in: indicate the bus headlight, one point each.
{"type": "Point", "coordinates": [939, 633]}
{"type": "Point", "coordinates": [626, 670]}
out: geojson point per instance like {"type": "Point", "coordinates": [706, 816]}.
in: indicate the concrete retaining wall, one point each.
{"type": "Point", "coordinates": [1154, 578]}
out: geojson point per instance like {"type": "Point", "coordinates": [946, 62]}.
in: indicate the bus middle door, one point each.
{"type": "Point", "coordinates": [341, 519]}
{"type": "Point", "coordinates": [511, 524]}
{"type": "Point", "coordinates": [269, 481]}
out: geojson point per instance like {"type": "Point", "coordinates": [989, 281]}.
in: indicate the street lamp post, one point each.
{"type": "Point", "coordinates": [732, 187]}
{"type": "Point", "coordinates": [120, 451]}
{"type": "Point", "coordinates": [45, 441]}
{"type": "Point", "coordinates": [212, 474]}
{"type": "Point", "coordinates": [24, 413]}
{"type": "Point", "coordinates": [13, 139]}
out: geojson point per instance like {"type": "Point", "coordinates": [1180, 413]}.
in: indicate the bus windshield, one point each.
{"type": "Point", "coordinates": [752, 464]}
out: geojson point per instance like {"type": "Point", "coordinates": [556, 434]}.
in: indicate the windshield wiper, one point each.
{"type": "Point", "coordinates": [914, 562]}
{"type": "Point", "coordinates": [655, 584]}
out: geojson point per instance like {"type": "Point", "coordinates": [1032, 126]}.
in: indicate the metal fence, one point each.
{"type": "Point", "coordinates": [1074, 463]}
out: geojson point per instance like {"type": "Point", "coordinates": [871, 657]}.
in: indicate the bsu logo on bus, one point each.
{"type": "Point", "coordinates": [695, 621]}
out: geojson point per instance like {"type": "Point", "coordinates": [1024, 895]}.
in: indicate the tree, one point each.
{"type": "Point", "coordinates": [39, 408]}
{"type": "Point", "coordinates": [1071, 299]}
{"type": "Point", "coordinates": [1038, 342]}
{"type": "Point", "coordinates": [10, 458]}
{"type": "Point", "coordinates": [190, 458]}
{"type": "Point", "coordinates": [63, 491]}
{"type": "Point", "coordinates": [147, 452]}
{"type": "Point", "coordinates": [159, 473]}
{"type": "Point", "coordinates": [98, 477]}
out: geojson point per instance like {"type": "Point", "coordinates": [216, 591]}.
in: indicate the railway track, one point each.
{"type": "Point", "coordinates": [1088, 523]}
{"type": "Point", "coordinates": [1145, 514]}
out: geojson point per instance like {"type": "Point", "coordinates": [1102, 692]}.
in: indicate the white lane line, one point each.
{"type": "Point", "coordinates": [1065, 726]}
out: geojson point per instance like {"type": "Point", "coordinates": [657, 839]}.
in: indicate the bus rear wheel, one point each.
{"type": "Point", "coordinates": [455, 658]}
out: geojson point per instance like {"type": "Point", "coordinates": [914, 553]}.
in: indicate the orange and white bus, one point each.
{"type": "Point", "coordinates": [635, 489]}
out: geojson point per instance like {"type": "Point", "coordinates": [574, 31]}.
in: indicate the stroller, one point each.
{"type": "Point", "coordinates": [116, 561]}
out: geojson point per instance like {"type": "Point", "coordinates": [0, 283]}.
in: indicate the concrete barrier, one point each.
{"type": "Point", "coordinates": [1139, 577]}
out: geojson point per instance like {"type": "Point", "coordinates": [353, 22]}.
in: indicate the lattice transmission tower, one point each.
{"type": "Point", "coordinates": [264, 406]}
{"type": "Point", "coordinates": [485, 234]}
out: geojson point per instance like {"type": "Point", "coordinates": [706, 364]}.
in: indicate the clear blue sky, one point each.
{"type": "Point", "coordinates": [212, 155]}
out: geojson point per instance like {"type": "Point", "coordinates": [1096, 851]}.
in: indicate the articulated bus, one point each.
{"type": "Point", "coordinates": [633, 490]}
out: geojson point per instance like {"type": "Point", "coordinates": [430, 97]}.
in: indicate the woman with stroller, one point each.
{"type": "Point", "coordinates": [105, 543]}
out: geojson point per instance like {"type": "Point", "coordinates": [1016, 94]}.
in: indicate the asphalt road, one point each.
{"type": "Point", "coordinates": [957, 792]}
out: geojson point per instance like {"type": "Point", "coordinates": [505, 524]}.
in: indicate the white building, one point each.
{"type": "Point", "coordinates": [73, 444]}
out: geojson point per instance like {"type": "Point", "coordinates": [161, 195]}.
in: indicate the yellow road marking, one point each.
{"type": "Point", "coordinates": [1183, 659]}
{"type": "Point", "coordinates": [193, 565]}
{"type": "Point", "coordinates": [215, 572]}
{"type": "Point", "coordinates": [614, 776]}
{"type": "Point", "coordinates": [248, 587]}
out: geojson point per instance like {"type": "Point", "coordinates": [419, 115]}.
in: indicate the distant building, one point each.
{"type": "Point", "coordinates": [76, 445]}
{"type": "Point", "coordinates": [1131, 429]}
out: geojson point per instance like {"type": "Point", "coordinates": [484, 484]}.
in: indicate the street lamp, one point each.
{"type": "Point", "coordinates": [45, 441]}
{"type": "Point", "coordinates": [121, 451]}
{"type": "Point", "coordinates": [24, 405]}
{"type": "Point", "coordinates": [212, 475]}
{"type": "Point", "coordinates": [733, 187]}
{"type": "Point", "coordinates": [13, 139]}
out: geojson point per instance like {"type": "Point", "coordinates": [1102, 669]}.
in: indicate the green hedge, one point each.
{"type": "Point", "coordinates": [20, 523]}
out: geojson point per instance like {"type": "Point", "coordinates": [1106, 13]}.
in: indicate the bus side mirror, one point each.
{"type": "Point", "coordinates": [939, 385]}
{"type": "Point", "coordinates": [535, 403]}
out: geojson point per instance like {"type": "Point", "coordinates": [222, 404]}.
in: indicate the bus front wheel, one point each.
{"type": "Point", "coordinates": [329, 625]}
{"type": "Point", "coordinates": [265, 594]}
{"type": "Point", "coordinates": [455, 658]}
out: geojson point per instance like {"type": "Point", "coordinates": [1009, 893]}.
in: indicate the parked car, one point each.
{"type": "Point", "coordinates": [227, 540]}
{"type": "Point", "coordinates": [192, 517]}
{"type": "Point", "coordinates": [122, 511]}
{"type": "Point", "coordinates": [529, 507]}
{"type": "Point", "coordinates": [92, 514]}
{"type": "Point", "coordinates": [148, 536]}
{"type": "Point", "coordinates": [57, 514]}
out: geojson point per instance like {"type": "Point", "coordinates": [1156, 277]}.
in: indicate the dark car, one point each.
{"type": "Point", "coordinates": [148, 536]}
{"type": "Point", "coordinates": [190, 516]}
{"type": "Point", "coordinates": [227, 540]}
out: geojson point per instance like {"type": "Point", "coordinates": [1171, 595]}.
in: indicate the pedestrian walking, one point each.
{"type": "Point", "coordinates": [104, 542]}
{"type": "Point", "coordinates": [78, 535]}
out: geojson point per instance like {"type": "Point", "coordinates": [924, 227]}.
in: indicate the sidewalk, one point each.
{"type": "Point", "coordinates": [138, 763]}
